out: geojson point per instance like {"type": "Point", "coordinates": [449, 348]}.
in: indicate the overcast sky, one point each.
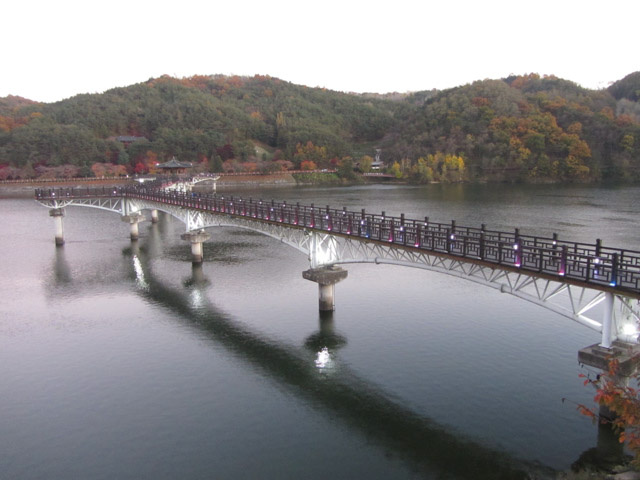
{"type": "Point", "coordinates": [56, 49]}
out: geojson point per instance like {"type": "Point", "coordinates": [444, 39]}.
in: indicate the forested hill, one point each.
{"type": "Point", "coordinates": [524, 128]}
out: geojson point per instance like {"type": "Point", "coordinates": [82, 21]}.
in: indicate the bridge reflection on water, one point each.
{"type": "Point", "coordinates": [428, 447]}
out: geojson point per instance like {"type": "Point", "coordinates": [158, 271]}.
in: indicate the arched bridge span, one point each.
{"type": "Point", "coordinates": [596, 286]}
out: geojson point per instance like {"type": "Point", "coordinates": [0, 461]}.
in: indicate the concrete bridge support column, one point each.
{"type": "Point", "coordinates": [154, 216]}
{"type": "Point", "coordinates": [196, 238]}
{"type": "Point", "coordinates": [57, 214]}
{"type": "Point", "coordinates": [326, 278]}
{"type": "Point", "coordinates": [607, 321]}
{"type": "Point", "coordinates": [133, 220]}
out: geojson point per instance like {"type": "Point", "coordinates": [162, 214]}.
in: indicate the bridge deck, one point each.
{"type": "Point", "coordinates": [594, 265]}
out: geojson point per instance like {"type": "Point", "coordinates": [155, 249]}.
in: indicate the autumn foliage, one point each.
{"type": "Point", "coordinates": [614, 393]}
{"type": "Point", "coordinates": [526, 128]}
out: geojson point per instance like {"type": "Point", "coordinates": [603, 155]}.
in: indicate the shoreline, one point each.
{"type": "Point", "coordinates": [26, 189]}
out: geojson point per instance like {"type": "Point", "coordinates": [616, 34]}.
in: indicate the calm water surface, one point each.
{"type": "Point", "coordinates": [119, 360]}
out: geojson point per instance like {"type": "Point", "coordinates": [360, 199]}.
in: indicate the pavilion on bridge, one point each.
{"type": "Point", "coordinates": [174, 166]}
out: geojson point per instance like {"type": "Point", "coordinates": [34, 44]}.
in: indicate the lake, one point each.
{"type": "Point", "coordinates": [121, 360]}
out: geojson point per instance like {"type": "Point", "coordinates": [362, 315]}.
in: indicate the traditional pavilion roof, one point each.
{"type": "Point", "coordinates": [174, 163]}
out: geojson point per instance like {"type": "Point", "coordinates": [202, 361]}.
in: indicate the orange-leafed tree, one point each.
{"type": "Point", "coordinates": [310, 152]}
{"type": "Point", "coordinates": [116, 170]}
{"type": "Point", "coordinates": [98, 169]}
{"type": "Point", "coordinates": [308, 165]}
{"type": "Point", "coordinates": [614, 392]}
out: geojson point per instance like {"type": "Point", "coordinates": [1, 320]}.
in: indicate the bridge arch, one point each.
{"type": "Point", "coordinates": [575, 303]}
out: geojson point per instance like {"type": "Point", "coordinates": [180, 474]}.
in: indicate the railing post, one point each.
{"type": "Point", "coordinates": [481, 249]}
{"type": "Point", "coordinates": [614, 270]}
{"type": "Point", "coordinates": [541, 259]}
{"type": "Point", "coordinates": [517, 246]}
{"type": "Point", "coordinates": [563, 261]}
{"type": "Point", "coordinates": [342, 220]}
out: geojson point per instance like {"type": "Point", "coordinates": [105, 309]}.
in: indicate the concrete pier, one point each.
{"type": "Point", "coordinates": [154, 216]}
{"type": "Point", "coordinates": [326, 278]}
{"type": "Point", "coordinates": [134, 219]}
{"type": "Point", "coordinates": [196, 238]}
{"type": "Point", "coordinates": [596, 356]}
{"type": "Point", "coordinates": [57, 214]}
{"type": "Point", "coordinates": [627, 355]}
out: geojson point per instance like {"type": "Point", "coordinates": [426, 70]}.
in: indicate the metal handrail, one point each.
{"type": "Point", "coordinates": [589, 263]}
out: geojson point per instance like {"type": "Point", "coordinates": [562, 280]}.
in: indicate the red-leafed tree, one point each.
{"type": "Point", "coordinates": [614, 393]}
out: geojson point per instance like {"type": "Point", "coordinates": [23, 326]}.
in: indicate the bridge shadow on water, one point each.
{"type": "Point", "coordinates": [430, 449]}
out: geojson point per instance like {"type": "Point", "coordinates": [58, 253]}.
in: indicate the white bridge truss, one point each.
{"type": "Point", "coordinates": [615, 316]}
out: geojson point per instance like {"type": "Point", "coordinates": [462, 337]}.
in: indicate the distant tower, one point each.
{"type": "Point", "coordinates": [378, 153]}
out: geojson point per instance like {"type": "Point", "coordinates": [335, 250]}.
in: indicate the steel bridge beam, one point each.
{"type": "Point", "coordinates": [605, 311]}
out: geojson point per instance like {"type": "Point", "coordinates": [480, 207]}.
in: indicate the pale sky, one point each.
{"type": "Point", "coordinates": [56, 49]}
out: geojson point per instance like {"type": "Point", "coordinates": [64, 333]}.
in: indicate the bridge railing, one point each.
{"type": "Point", "coordinates": [589, 263]}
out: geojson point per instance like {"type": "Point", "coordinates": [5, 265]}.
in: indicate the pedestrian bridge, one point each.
{"type": "Point", "coordinates": [592, 284]}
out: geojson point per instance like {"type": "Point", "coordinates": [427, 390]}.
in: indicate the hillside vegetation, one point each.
{"type": "Point", "coordinates": [522, 128]}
